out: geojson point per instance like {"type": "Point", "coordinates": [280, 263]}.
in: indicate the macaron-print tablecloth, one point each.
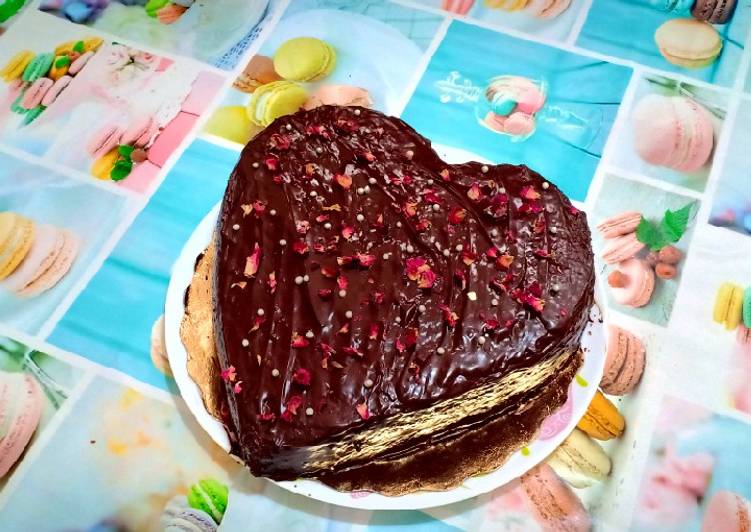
{"type": "Point", "coordinates": [121, 120]}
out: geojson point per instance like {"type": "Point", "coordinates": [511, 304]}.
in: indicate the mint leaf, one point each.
{"type": "Point", "coordinates": [650, 235]}
{"type": "Point", "coordinates": [62, 61]}
{"type": "Point", "coordinates": [125, 150]}
{"type": "Point", "coordinates": [674, 223]}
{"type": "Point", "coordinates": [121, 170]}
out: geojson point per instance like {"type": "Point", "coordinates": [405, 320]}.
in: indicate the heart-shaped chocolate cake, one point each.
{"type": "Point", "coordinates": [379, 312]}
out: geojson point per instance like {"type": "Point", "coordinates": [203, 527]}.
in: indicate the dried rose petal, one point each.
{"type": "Point", "coordinates": [272, 162]}
{"type": "Point", "coordinates": [362, 410]}
{"type": "Point", "coordinates": [259, 207]}
{"type": "Point", "coordinates": [229, 374]}
{"type": "Point", "coordinates": [301, 377]}
{"type": "Point", "coordinates": [541, 253]}
{"type": "Point", "coordinates": [468, 257]}
{"type": "Point", "coordinates": [365, 259]}
{"type": "Point", "coordinates": [378, 297]}
{"type": "Point", "coordinates": [253, 262]}
{"type": "Point", "coordinates": [257, 322]}
{"type": "Point", "coordinates": [326, 348]}
{"type": "Point", "coordinates": [529, 193]}
{"type": "Point", "coordinates": [493, 252]}
{"type": "Point", "coordinates": [348, 231]}
{"type": "Point", "coordinates": [267, 416]}
{"type": "Point", "coordinates": [344, 329]}
{"type": "Point", "coordinates": [445, 174]}
{"type": "Point", "coordinates": [290, 409]}
{"type": "Point", "coordinates": [379, 221]}
{"type": "Point", "coordinates": [279, 142]}
{"type": "Point", "coordinates": [300, 246]}
{"type": "Point", "coordinates": [430, 196]}
{"type": "Point", "coordinates": [415, 265]}
{"type": "Point", "coordinates": [410, 209]}
{"type": "Point", "coordinates": [322, 218]}
{"type": "Point", "coordinates": [461, 276]}
{"type": "Point", "coordinates": [450, 316]}
{"type": "Point", "coordinates": [474, 193]}
{"type": "Point", "coordinates": [349, 350]}
{"type": "Point", "coordinates": [329, 271]}
{"type": "Point", "coordinates": [457, 215]}
{"type": "Point", "coordinates": [423, 225]}
{"type": "Point", "coordinates": [491, 324]}
{"type": "Point", "coordinates": [539, 225]}
{"type": "Point", "coordinates": [324, 293]}
{"type": "Point", "coordinates": [504, 261]}
{"type": "Point", "coordinates": [374, 329]}
{"type": "Point", "coordinates": [427, 279]}
{"type": "Point", "coordinates": [342, 282]}
{"type": "Point", "coordinates": [238, 387]}
{"type": "Point", "coordinates": [345, 181]}
{"type": "Point", "coordinates": [299, 341]}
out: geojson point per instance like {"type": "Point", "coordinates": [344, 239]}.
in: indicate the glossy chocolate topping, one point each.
{"type": "Point", "coordinates": [359, 276]}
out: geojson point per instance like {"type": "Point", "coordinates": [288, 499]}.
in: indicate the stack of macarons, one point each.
{"type": "Point", "coordinates": [166, 11]}
{"type": "Point", "coordinates": [21, 404]}
{"type": "Point", "coordinates": [546, 9]}
{"type": "Point", "coordinates": [727, 511]}
{"type": "Point", "coordinates": [732, 308]}
{"type": "Point", "coordinates": [688, 43]}
{"type": "Point", "coordinates": [673, 131]}
{"type": "Point", "coordinates": [201, 511]}
{"type": "Point", "coordinates": [38, 79]}
{"type": "Point", "coordinates": [33, 257]}
{"type": "Point", "coordinates": [632, 280]}
{"type": "Point", "coordinates": [712, 11]}
{"type": "Point", "coordinates": [513, 102]}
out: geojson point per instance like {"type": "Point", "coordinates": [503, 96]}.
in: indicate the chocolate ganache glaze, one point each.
{"type": "Point", "coordinates": [371, 299]}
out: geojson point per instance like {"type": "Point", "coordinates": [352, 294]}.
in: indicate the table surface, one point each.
{"type": "Point", "coordinates": [114, 443]}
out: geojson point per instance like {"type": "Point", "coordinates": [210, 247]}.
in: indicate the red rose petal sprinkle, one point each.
{"type": "Point", "coordinates": [457, 215]}
{"type": "Point", "coordinates": [474, 193]}
{"type": "Point", "coordinates": [374, 330]}
{"type": "Point", "coordinates": [348, 231]}
{"type": "Point", "coordinates": [450, 316]}
{"type": "Point", "coordinates": [253, 262]}
{"type": "Point", "coordinates": [529, 193]}
{"type": "Point", "coordinates": [300, 246]}
{"type": "Point", "coordinates": [362, 410]}
{"type": "Point", "coordinates": [229, 374]}
{"type": "Point", "coordinates": [301, 377]}
{"type": "Point", "coordinates": [345, 181]}
{"type": "Point", "coordinates": [299, 341]}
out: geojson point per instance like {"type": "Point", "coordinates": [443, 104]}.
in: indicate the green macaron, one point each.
{"type": "Point", "coordinates": [210, 496]}
{"type": "Point", "coordinates": [38, 67]}
{"type": "Point", "coordinates": [304, 59]}
{"type": "Point", "coordinates": [33, 114]}
{"type": "Point", "coordinates": [747, 307]}
{"type": "Point", "coordinates": [273, 100]}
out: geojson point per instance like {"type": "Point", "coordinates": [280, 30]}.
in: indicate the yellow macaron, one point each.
{"type": "Point", "coordinates": [15, 66]}
{"type": "Point", "coordinates": [103, 166]}
{"type": "Point", "coordinates": [304, 59]}
{"type": "Point", "coordinates": [728, 306]}
{"type": "Point", "coordinates": [16, 237]}
{"type": "Point", "coordinates": [273, 100]}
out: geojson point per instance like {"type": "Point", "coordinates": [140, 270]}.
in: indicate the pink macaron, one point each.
{"type": "Point", "coordinates": [105, 140]}
{"type": "Point", "coordinates": [620, 248]}
{"type": "Point", "coordinates": [137, 130]}
{"type": "Point", "coordinates": [345, 95]}
{"type": "Point", "coordinates": [673, 131]}
{"type": "Point", "coordinates": [21, 404]}
{"type": "Point", "coordinates": [54, 270]}
{"type": "Point", "coordinates": [624, 363]}
{"type": "Point", "coordinates": [458, 7]}
{"type": "Point", "coordinates": [520, 124]}
{"type": "Point", "coordinates": [547, 8]}
{"type": "Point", "coordinates": [637, 283]}
{"type": "Point", "coordinates": [743, 336]}
{"type": "Point", "coordinates": [35, 93]}
{"type": "Point", "coordinates": [80, 62]}
{"type": "Point", "coordinates": [47, 244]}
{"type": "Point", "coordinates": [51, 95]}
{"type": "Point", "coordinates": [620, 224]}
{"type": "Point", "coordinates": [727, 512]}
{"type": "Point", "coordinates": [554, 505]}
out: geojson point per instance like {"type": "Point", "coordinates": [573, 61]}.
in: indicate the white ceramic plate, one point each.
{"type": "Point", "coordinates": [554, 430]}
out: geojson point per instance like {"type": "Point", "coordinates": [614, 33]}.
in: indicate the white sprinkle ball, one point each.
{"type": "Point", "coordinates": [348, 314]}
{"type": "Point", "coordinates": [410, 249]}
{"type": "Point", "coordinates": [319, 149]}
{"type": "Point", "coordinates": [441, 351]}
{"type": "Point", "coordinates": [367, 189]}
{"type": "Point", "coordinates": [386, 256]}
{"type": "Point", "coordinates": [472, 296]}
{"type": "Point", "coordinates": [554, 230]}
{"type": "Point", "coordinates": [410, 154]}
{"type": "Point", "coordinates": [298, 279]}
{"type": "Point", "coordinates": [360, 218]}
{"type": "Point", "coordinates": [309, 411]}
{"type": "Point", "coordinates": [368, 383]}
{"type": "Point", "coordinates": [398, 319]}
{"type": "Point", "coordinates": [481, 340]}
{"type": "Point", "coordinates": [556, 287]}
{"type": "Point", "coordinates": [545, 185]}
{"type": "Point", "coordinates": [494, 302]}
{"type": "Point", "coordinates": [446, 253]}
{"type": "Point", "coordinates": [245, 342]}
{"type": "Point", "coordinates": [327, 225]}
{"type": "Point", "coordinates": [289, 127]}
{"type": "Point", "coordinates": [342, 293]}
{"type": "Point", "coordinates": [398, 224]}
{"type": "Point", "coordinates": [282, 242]}
{"type": "Point", "coordinates": [272, 212]}
{"type": "Point", "coordinates": [436, 207]}
{"type": "Point", "coordinates": [357, 112]}
{"type": "Point", "coordinates": [236, 227]}
{"type": "Point", "coordinates": [309, 334]}
{"type": "Point", "coordinates": [260, 312]}
{"type": "Point", "coordinates": [360, 191]}
{"type": "Point", "coordinates": [274, 372]}
{"type": "Point", "coordinates": [430, 181]}
{"type": "Point", "coordinates": [255, 165]}
{"type": "Point", "coordinates": [494, 232]}
{"type": "Point", "coordinates": [313, 193]}
{"type": "Point", "coordinates": [422, 308]}
{"type": "Point", "coordinates": [484, 169]}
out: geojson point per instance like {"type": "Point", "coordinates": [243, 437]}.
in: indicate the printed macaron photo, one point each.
{"type": "Point", "coordinates": [214, 32]}
{"type": "Point", "coordinates": [549, 19]}
{"type": "Point", "coordinates": [44, 247]}
{"type": "Point", "coordinates": [696, 475]}
{"type": "Point", "coordinates": [106, 109]}
{"type": "Point", "coordinates": [8, 11]}
{"type": "Point", "coordinates": [307, 62]}
{"type": "Point", "coordinates": [641, 235]}
{"type": "Point", "coordinates": [671, 131]}
{"type": "Point", "coordinates": [731, 204]}
{"type": "Point", "coordinates": [33, 386]}
{"type": "Point", "coordinates": [702, 39]}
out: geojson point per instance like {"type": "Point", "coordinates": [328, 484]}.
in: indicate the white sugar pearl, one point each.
{"type": "Point", "coordinates": [398, 319]}
{"type": "Point", "coordinates": [360, 191]}
{"type": "Point", "coordinates": [274, 372]}
{"type": "Point", "coordinates": [556, 288]}
{"type": "Point", "coordinates": [282, 242]}
{"type": "Point", "coordinates": [554, 230]}
{"type": "Point", "coordinates": [319, 150]}
{"type": "Point", "coordinates": [327, 225]}
{"type": "Point", "coordinates": [309, 334]}
{"type": "Point", "coordinates": [272, 212]}
{"type": "Point", "coordinates": [436, 207]}
{"type": "Point", "coordinates": [472, 296]}
{"type": "Point", "coordinates": [236, 227]}
{"type": "Point", "coordinates": [410, 154]}
{"type": "Point", "coordinates": [357, 112]}
{"type": "Point", "coordinates": [422, 308]}
{"type": "Point", "coordinates": [306, 278]}
{"type": "Point", "coordinates": [494, 302]}
{"type": "Point", "coordinates": [386, 256]}
{"type": "Point", "coordinates": [368, 383]}
{"type": "Point", "coordinates": [410, 249]}
{"type": "Point", "coordinates": [484, 169]}
{"type": "Point", "coordinates": [298, 279]}
{"type": "Point", "coordinates": [481, 340]}
{"type": "Point", "coordinates": [309, 411]}
{"type": "Point", "coordinates": [430, 181]}
{"type": "Point", "coordinates": [367, 189]}
{"type": "Point", "coordinates": [545, 185]}
{"type": "Point", "coordinates": [372, 180]}
{"type": "Point", "coordinates": [348, 314]}
{"type": "Point", "coordinates": [314, 182]}
{"type": "Point", "coordinates": [342, 293]}
{"type": "Point", "coordinates": [313, 193]}
{"type": "Point", "coordinates": [289, 127]}
{"type": "Point", "coordinates": [494, 232]}
{"type": "Point", "coordinates": [398, 224]}
{"type": "Point", "coordinates": [360, 218]}
{"type": "Point", "coordinates": [245, 342]}
{"type": "Point", "coordinates": [459, 247]}
{"type": "Point", "coordinates": [441, 351]}
{"type": "Point", "coordinates": [446, 253]}
{"type": "Point", "coordinates": [260, 312]}
{"type": "Point", "coordinates": [255, 165]}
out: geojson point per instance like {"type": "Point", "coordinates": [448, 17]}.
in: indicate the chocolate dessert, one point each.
{"type": "Point", "coordinates": [378, 312]}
